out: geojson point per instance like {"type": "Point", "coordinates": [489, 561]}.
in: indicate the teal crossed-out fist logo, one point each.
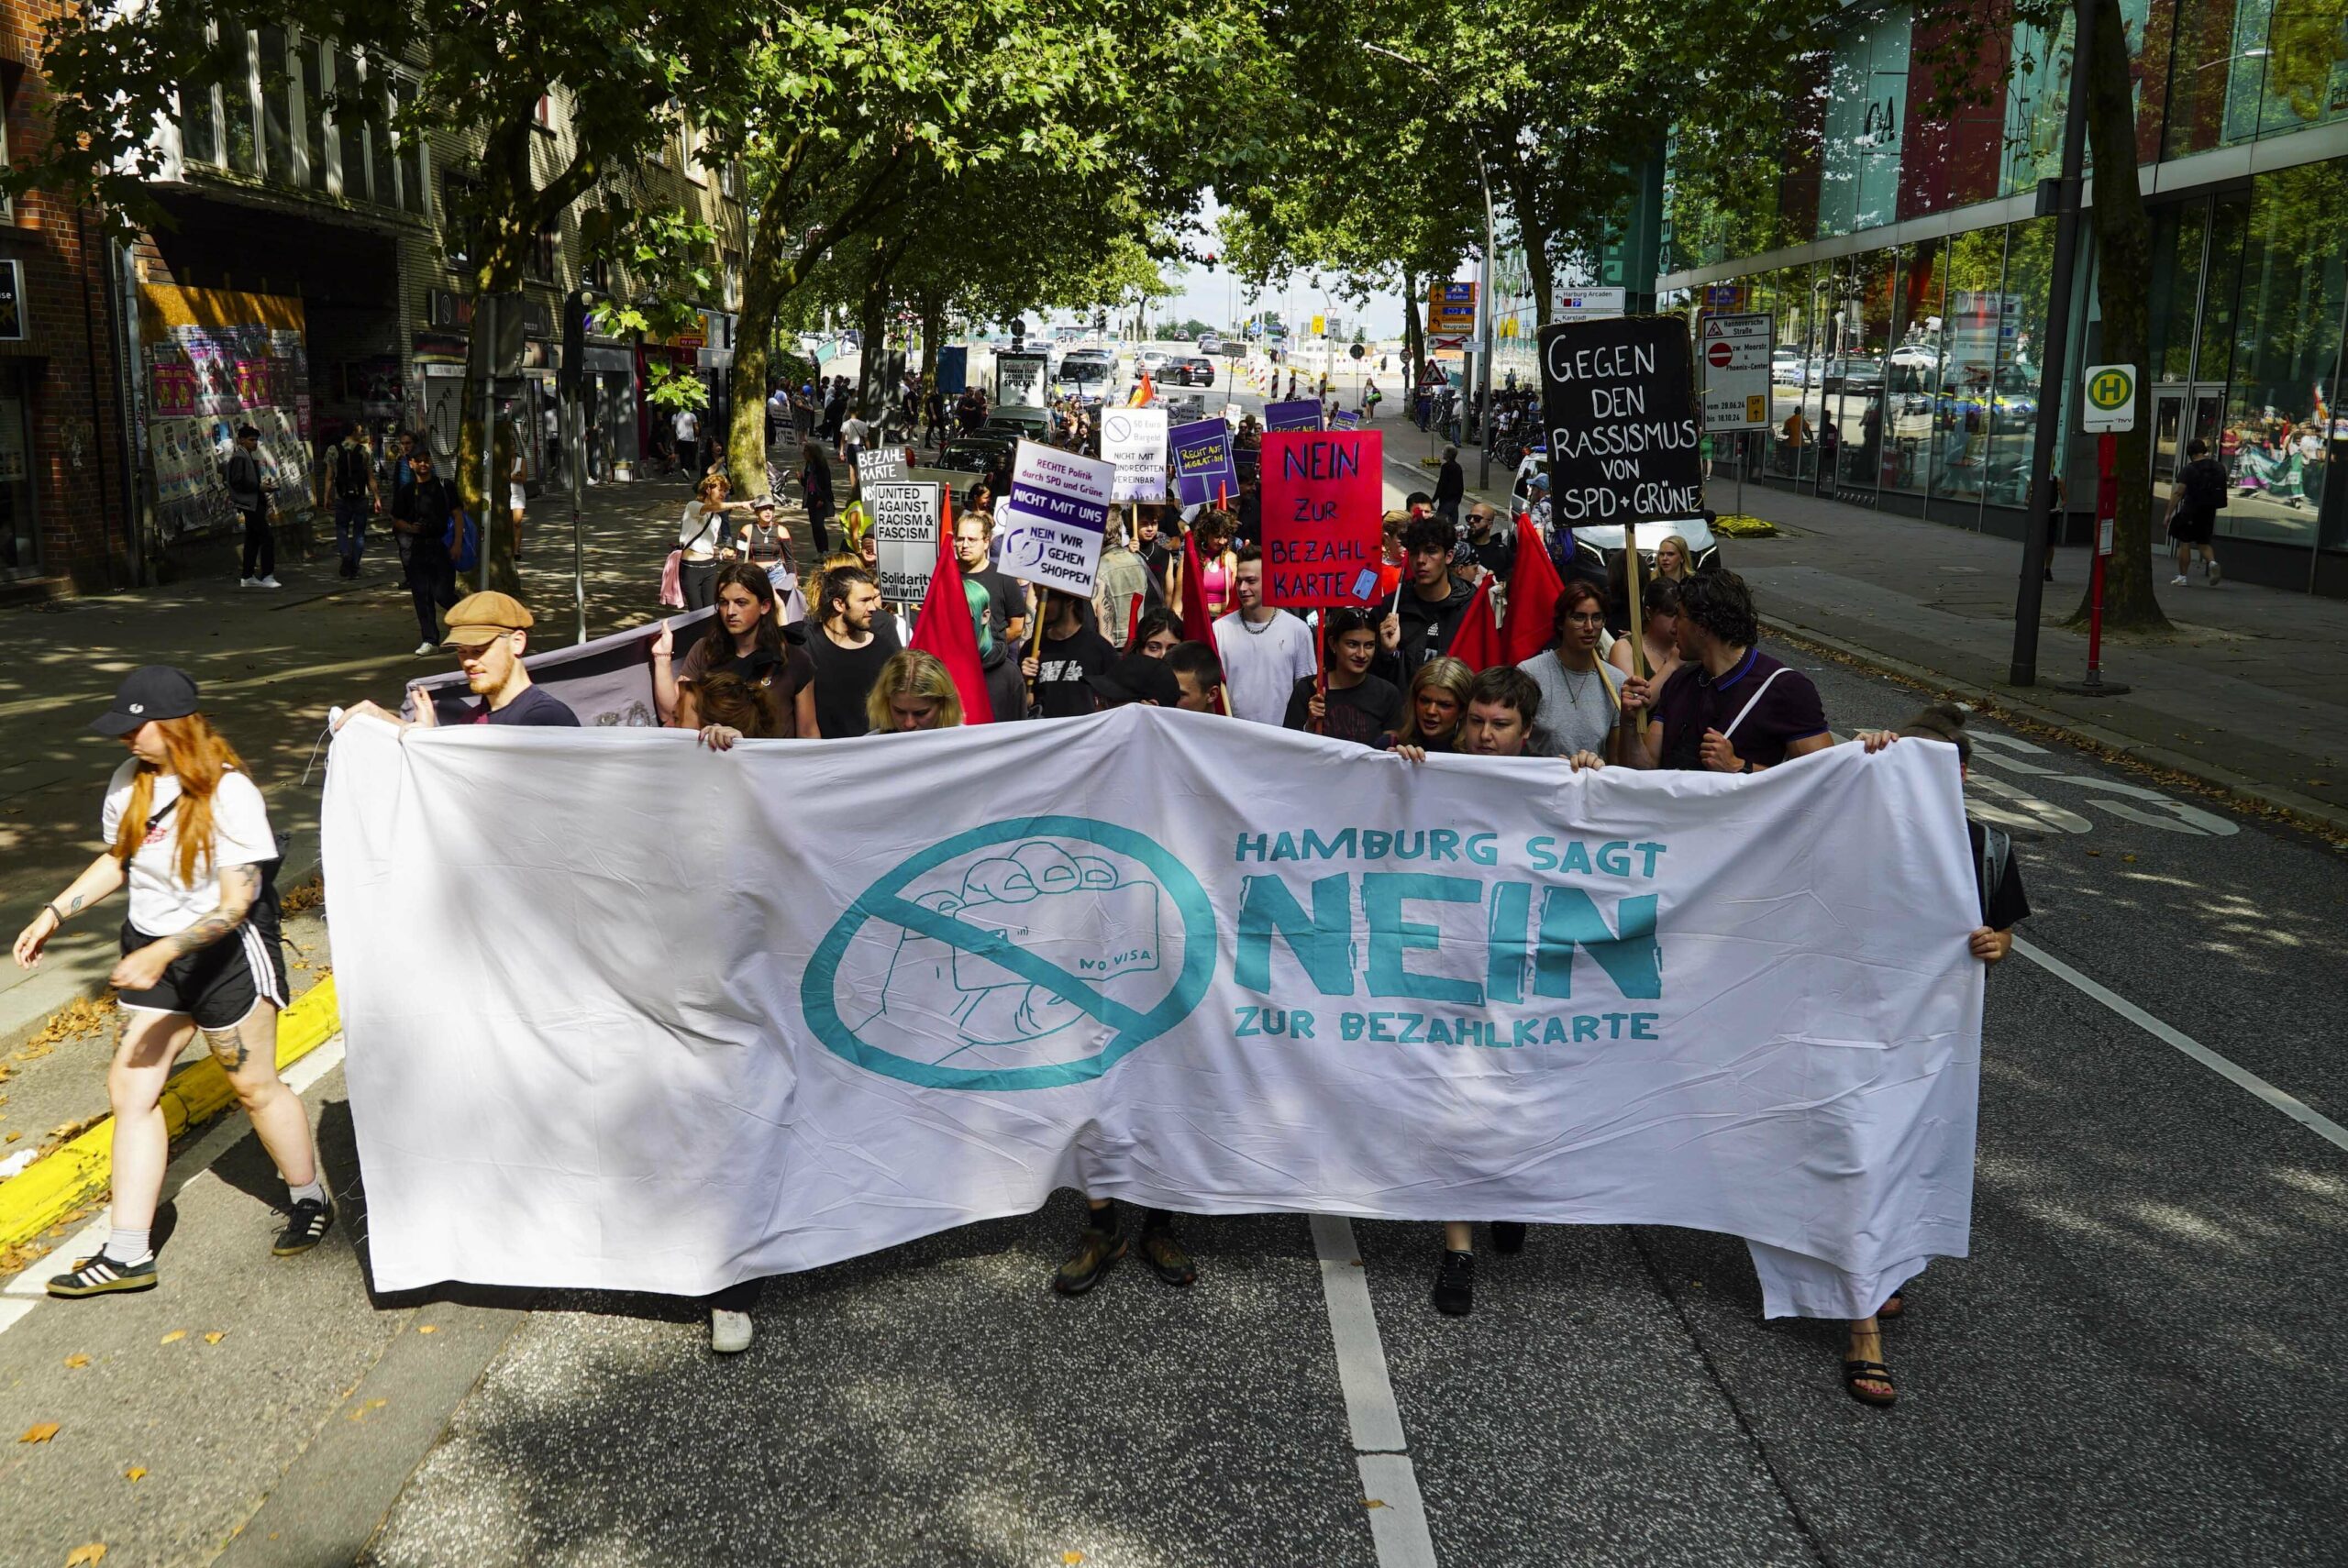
{"type": "Point", "coordinates": [1026, 954]}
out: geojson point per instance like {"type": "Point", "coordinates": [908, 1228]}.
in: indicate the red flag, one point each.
{"type": "Point", "coordinates": [1533, 589]}
{"type": "Point", "coordinates": [1478, 640]}
{"type": "Point", "coordinates": [1198, 627]}
{"type": "Point", "coordinates": [945, 631]}
{"type": "Point", "coordinates": [1144, 389]}
{"type": "Point", "coordinates": [1133, 621]}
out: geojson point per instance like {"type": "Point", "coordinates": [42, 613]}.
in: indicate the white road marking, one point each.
{"type": "Point", "coordinates": [194, 1162]}
{"type": "Point", "coordinates": [2298, 1111]}
{"type": "Point", "coordinates": [1397, 1525]}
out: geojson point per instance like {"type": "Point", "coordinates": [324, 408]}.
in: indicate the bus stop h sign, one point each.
{"type": "Point", "coordinates": [2110, 405]}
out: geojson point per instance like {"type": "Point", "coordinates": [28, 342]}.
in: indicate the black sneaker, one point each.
{"type": "Point", "coordinates": [1096, 1249]}
{"type": "Point", "coordinates": [1454, 1285]}
{"type": "Point", "coordinates": [102, 1274]}
{"type": "Point", "coordinates": [1165, 1255]}
{"type": "Point", "coordinates": [1508, 1237]}
{"type": "Point", "coordinates": [311, 1221]}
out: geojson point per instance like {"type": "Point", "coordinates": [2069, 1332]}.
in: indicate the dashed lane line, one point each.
{"type": "Point", "coordinates": [1398, 1516]}
{"type": "Point", "coordinates": [2241, 1077]}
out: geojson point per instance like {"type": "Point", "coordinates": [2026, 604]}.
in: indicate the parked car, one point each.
{"type": "Point", "coordinates": [975, 454]}
{"type": "Point", "coordinates": [1593, 544]}
{"type": "Point", "coordinates": [1190, 370]}
{"type": "Point", "coordinates": [1015, 420]}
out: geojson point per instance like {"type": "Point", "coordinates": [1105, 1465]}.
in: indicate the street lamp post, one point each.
{"type": "Point", "coordinates": [1484, 311]}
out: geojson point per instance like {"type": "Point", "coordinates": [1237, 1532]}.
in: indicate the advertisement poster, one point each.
{"type": "Point", "coordinates": [1054, 516]}
{"type": "Point", "coordinates": [217, 358]}
{"type": "Point", "coordinates": [1019, 380]}
{"type": "Point", "coordinates": [1322, 516]}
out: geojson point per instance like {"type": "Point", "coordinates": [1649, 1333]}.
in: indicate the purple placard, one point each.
{"type": "Point", "coordinates": [1304, 414]}
{"type": "Point", "coordinates": [1202, 461]}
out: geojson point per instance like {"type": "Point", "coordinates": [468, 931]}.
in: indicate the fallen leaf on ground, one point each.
{"type": "Point", "coordinates": [428, 1329]}
{"type": "Point", "coordinates": [215, 1336]}
{"type": "Point", "coordinates": [1071, 1557]}
{"type": "Point", "coordinates": [77, 1360]}
{"type": "Point", "coordinates": [136, 1472]}
{"type": "Point", "coordinates": [96, 1551]}
{"type": "Point", "coordinates": [370, 1405]}
{"type": "Point", "coordinates": [1373, 1502]}
{"type": "Point", "coordinates": [174, 1336]}
{"type": "Point", "coordinates": [40, 1433]}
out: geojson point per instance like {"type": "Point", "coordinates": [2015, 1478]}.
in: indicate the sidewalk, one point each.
{"type": "Point", "coordinates": [269, 666]}
{"type": "Point", "coordinates": [2249, 694]}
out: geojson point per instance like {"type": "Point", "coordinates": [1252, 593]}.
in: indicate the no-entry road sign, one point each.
{"type": "Point", "coordinates": [1735, 352]}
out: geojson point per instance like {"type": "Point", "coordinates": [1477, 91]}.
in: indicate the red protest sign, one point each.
{"type": "Point", "coordinates": [1322, 516]}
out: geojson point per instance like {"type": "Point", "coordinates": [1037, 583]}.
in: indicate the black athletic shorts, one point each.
{"type": "Point", "coordinates": [218, 985]}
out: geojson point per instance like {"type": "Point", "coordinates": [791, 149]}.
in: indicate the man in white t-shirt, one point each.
{"type": "Point", "coordinates": [689, 442]}
{"type": "Point", "coordinates": [853, 431]}
{"type": "Point", "coordinates": [1265, 651]}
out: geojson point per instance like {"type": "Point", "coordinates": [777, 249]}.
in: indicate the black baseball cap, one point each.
{"type": "Point", "coordinates": [1137, 678]}
{"type": "Point", "coordinates": [151, 692]}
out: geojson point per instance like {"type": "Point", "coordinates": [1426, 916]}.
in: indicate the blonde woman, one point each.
{"type": "Point", "coordinates": [705, 535]}
{"type": "Point", "coordinates": [1432, 707]}
{"type": "Point", "coordinates": [189, 836]}
{"type": "Point", "coordinates": [1674, 562]}
{"type": "Point", "coordinates": [913, 692]}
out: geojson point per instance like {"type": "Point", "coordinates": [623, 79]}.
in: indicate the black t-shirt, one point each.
{"type": "Point", "coordinates": [1760, 710]}
{"type": "Point", "coordinates": [1366, 714]}
{"type": "Point", "coordinates": [845, 678]}
{"type": "Point", "coordinates": [536, 705]}
{"type": "Point", "coordinates": [1063, 668]}
{"type": "Point", "coordinates": [2004, 903]}
{"type": "Point", "coordinates": [1496, 553]}
{"type": "Point", "coordinates": [1006, 602]}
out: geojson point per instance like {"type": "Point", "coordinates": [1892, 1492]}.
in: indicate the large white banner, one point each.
{"type": "Point", "coordinates": [623, 1012]}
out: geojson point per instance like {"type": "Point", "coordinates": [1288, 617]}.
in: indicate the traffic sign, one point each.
{"type": "Point", "coordinates": [1451, 308]}
{"type": "Point", "coordinates": [1590, 305]}
{"type": "Point", "coordinates": [2111, 401]}
{"type": "Point", "coordinates": [1320, 326]}
{"type": "Point", "coordinates": [1735, 352]}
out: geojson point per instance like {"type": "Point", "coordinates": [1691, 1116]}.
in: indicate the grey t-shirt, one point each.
{"type": "Point", "coordinates": [1579, 708]}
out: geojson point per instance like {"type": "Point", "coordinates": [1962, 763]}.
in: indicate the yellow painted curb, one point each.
{"type": "Point", "coordinates": [33, 1199]}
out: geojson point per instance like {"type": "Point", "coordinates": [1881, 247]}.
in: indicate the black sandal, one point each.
{"type": "Point", "coordinates": [1856, 1373]}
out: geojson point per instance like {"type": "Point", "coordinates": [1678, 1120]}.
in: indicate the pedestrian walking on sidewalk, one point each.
{"type": "Point", "coordinates": [351, 478]}
{"type": "Point", "coordinates": [1450, 486]}
{"type": "Point", "coordinates": [431, 570]}
{"type": "Point", "coordinates": [188, 834]}
{"type": "Point", "coordinates": [250, 486]}
{"type": "Point", "coordinates": [2197, 496]}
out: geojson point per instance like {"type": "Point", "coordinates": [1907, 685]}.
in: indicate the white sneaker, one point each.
{"type": "Point", "coordinates": [2216, 577]}
{"type": "Point", "coordinates": [269, 581]}
{"type": "Point", "coordinates": [2178, 581]}
{"type": "Point", "coordinates": [248, 582]}
{"type": "Point", "coordinates": [422, 649]}
{"type": "Point", "coordinates": [729, 1332]}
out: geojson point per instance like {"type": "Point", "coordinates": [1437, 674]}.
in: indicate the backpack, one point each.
{"type": "Point", "coordinates": [468, 550]}
{"type": "Point", "coordinates": [2205, 482]}
{"type": "Point", "coordinates": [352, 465]}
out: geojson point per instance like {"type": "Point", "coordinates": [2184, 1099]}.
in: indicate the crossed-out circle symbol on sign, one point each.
{"type": "Point", "coordinates": [2111, 390]}
{"type": "Point", "coordinates": [1118, 428]}
{"type": "Point", "coordinates": [969, 985]}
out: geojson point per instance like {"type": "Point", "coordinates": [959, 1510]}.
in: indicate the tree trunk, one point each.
{"type": "Point", "coordinates": [2124, 276]}
{"type": "Point", "coordinates": [769, 275]}
{"type": "Point", "coordinates": [933, 336]}
{"type": "Point", "coordinates": [872, 322]}
{"type": "Point", "coordinates": [1413, 341]}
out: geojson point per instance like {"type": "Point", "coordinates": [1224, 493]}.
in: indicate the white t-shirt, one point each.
{"type": "Point", "coordinates": [852, 433]}
{"type": "Point", "coordinates": [688, 425]}
{"type": "Point", "coordinates": [701, 532]}
{"type": "Point", "coordinates": [1262, 664]}
{"type": "Point", "coordinates": [161, 904]}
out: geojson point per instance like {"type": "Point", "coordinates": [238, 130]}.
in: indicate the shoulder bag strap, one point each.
{"type": "Point", "coordinates": [1752, 703]}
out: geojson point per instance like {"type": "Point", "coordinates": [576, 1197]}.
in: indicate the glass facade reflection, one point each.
{"type": "Point", "coordinates": [1907, 373]}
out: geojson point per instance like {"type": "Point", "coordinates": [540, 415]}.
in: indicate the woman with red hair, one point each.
{"type": "Point", "coordinates": [188, 833]}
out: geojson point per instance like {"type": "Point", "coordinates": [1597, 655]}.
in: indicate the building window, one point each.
{"type": "Point", "coordinates": [733, 281]}
{"type": "Point", "coordinates": [695, 140]}
{"type": "Point", "coordinates": [411, 154]}
{"type": "Point", "coordinates": [350, 134]}
{"type": "Point", "coordinates": [379, 146]}
{"type": "Point", "coordinates": [543, 115]}
{"type": "Point", "coordinates": [312, 57]}
{"type": "Point", "coordinates": [457, 214]}
{"type": "Point", "coordinates": [276, 105]}
{"type": "Point", "coordinates": [543, 253]}
{"type": "Point", "coordinates": [729, 178]}
{"type": "Point", "coordinates": [235, 59]}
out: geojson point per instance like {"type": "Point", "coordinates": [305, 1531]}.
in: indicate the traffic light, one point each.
{"type": "Point", "coordinates": [1101, 321]}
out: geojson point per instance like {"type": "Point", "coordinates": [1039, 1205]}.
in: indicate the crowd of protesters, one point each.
{"type": "Point", "coordinates": [1653, 666]}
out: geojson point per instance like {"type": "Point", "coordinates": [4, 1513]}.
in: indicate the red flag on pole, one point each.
{"type": "Point", "coordinates": [1533, 589]}
{"type": "Point", "coordinates": [1198, 627]}
{"type": "Point", "coordinates": [1478, 640]}
{"type": "Point", "coordinates": [945, 630]}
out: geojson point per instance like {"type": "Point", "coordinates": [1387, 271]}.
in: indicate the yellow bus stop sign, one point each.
{"type": "Point", "coordinates": [2110, 405]}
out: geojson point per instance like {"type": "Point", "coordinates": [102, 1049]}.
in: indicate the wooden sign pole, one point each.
{"type": "Point", "coordinates": [1638, 627]}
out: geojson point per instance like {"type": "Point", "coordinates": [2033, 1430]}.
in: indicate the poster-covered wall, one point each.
{"type": "Point", "coordinates": [214, 359]}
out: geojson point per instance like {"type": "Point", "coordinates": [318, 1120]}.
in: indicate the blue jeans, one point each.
{"type": "Point", "coordinates": [351, 529]}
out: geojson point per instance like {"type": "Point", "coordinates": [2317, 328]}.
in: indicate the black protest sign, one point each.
{"type": "Point", "coordinates": [1619, 398]}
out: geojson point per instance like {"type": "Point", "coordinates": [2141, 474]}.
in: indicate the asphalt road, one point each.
{"type": "Point", "coordinates": [2137, 1364]}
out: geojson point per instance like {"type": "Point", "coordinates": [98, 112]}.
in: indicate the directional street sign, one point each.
{"type": "Point", "coordinates": [2110, 405]}
{"type": "Point", "coordinates": [1735, 351]}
